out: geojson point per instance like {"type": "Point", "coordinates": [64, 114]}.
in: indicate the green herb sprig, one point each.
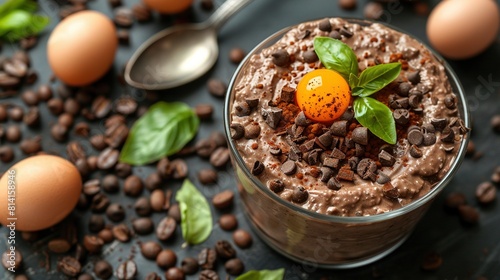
{"type": "Point", "coordinates": [277, 274]}
{"type": "Point", "coordinates": [17, 20]}
{"type": "Point", "coordinates": [370, 113]}
{"type": "Point", "coordinates": [162, 131]}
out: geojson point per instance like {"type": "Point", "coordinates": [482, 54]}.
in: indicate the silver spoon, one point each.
{"type": "Point", "coordinates": [179, 54]}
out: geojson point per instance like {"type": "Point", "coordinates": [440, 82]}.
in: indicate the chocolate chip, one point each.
{"type": "Point", "coordinates": [346, 174]}
{"type": "Point", "coordinates": [275, 151]}
{"type": "Point", "coordinates": [339, 128]}
{"type": "Point", "coordinates": [324, 140]}
{"type": "Point", "coordinates": [166, 228]}
{"type": "Point", "coordinates": [400, 103]}
{"type": "Point", "coordinates": [237, 131]}
{"type": "Point", "coordinates": [390, 191]}
{"type": "Point", "coordinates": [307, 146]}
{"type": "Point", "coordinates": [300, 195]}
{"type": "Point", "coordinates": [383, 178]}
{"type": "Point", "coordinates": [448, 135]}
{"type": "Point", "coordinates": [310, 56]}
{"type": "Point", "coordinates": [287, 94]}
{"type": "Point", "coordinates": [486, 193]}
{"type": "Point", "coordinates": [359, 150]}
{"type": "Point", "coordinates": [415, 137]}
{"type": "Point", "coordinates": [166, 259]}
{"type": "Point", "coordinates": [325, 25]}
{"type": "Point", "coordinates": [252, 102]}
{"type": "Point", "coordinates": [335, 35]}
{"type": "Point", "coordinates": [346, 32]}
{"type": "Point", "coordinates": [301, 119]}
{"type": "Point", "coordinates": [439, 123]}
{"type": "Point", "coordinates": [432, 261]}
{"type": "Point", "coordinates": [413, 77]}
{"type": "Point", "coordinates": [236, 55]}
{"type": "Point", "coordinates": [366, 169]}
{"type": "Point", "coordinates": [386, 159]}
{"type": "Point", "coordinates": [276, 185]}
{"type": "Point", "coordinates": [414, 100]}
{"type": "Point", "coordinates": [333, 163]}
{"type": "Point", "coordinates": [428, 128]}
{"type": "Point", "coordinates": [415, 151]}
{"type": "Point", "coordinates": [334, 184]}
{"type": "Point", "coordinates": [348, 4]}
{"type": "Point", "coordinates": [495, 123]}
{"type": "Point", "coordinates": [338, 154]}
{"type": "Point", "coordinates": [401, 116]}
{"type": "Point", "coordinates": [281, 58]}
{"type": "Point", "coordinates": [360, 135]}
{"type": "Point", "coordinates": [450, 101]}
{"type": "Point", "coordinates": [252, 131]}
{"type": "Point", "coordinates": [313, 157]}
{"type": "Point", "coordinates": [404, 89]}
{"type": "Point", "coordinates": [207, 258]}
{"type": "Point", "coordinates": [258, 168]}
{"type": "Point", "coordinates": [429, 139]}
{"type": "Point", "coordinates": [373, 10]}
{"type": "Point", "coordinates": [289, 167]}
{"type": "Point", "coordinates": [242, 109]}
{"type": "Point", "coordinates": [304, 34]}
{"type": "Point", "coordinates": [273, 116]}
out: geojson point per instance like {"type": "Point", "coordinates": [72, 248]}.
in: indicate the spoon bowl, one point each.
{"type": "Point", "coordinates": [179, 54]}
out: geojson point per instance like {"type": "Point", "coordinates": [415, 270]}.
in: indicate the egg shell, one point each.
{"type": "Point", "coordinates": [168, 6]}
{"type": "Point", "coordinates": [461, 29]}
{"type": "Point", "coordinates": [82, 47]}
{"type": "Point", "coordinates": [47, 189]}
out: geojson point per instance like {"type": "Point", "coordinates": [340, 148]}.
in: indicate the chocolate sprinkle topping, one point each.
{"type": "Point", "coordinates": [289, 167]}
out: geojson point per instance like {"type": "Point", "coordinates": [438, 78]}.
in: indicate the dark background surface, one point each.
{"type": "Point", "coordinates": [468, 252]}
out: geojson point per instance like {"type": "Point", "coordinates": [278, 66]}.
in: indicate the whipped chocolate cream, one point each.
{"type": "Point", "coordinates": [341, 168]}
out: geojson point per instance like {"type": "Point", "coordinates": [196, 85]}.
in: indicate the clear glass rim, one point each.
{"type": "Point", "coordinates": [463, 109]}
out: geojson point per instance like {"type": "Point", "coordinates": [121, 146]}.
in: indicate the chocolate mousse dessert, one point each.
{"type": "Point", "coordinates": [346, 119]}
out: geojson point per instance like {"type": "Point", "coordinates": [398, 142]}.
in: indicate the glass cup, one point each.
{"type": "Point", "coordinates": [322, 240]}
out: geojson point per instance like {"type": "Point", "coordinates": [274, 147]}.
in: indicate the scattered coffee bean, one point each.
{"type": "Point", "coordinates": [99, 203]}
{"type": "Point", "coordinates": [373, 10]}
{"type": "Point", "coordinates": [123, 17]}
{"type": "Point", "coordinates": [223, 199]}
{"type": "Point", "coordinates": [82, 129]}
{"type": "Point", "coordinates": [17, 262]}
{"type": "Point", "coordinates": [166, 259]}
{"type": "Point", "coordinates": [486, 193]}
{"type": "Point", "coordinates": [174, 212]}
{"type": "Point", "coordinates": [32, 117]}
{"type": "Point", "coordinates": [101, 107]}
{"type": "Point", "coordinates": [468, 214]}
{"type": "Point", "coordinates": [13, 134]}
{"type": "Point", "coordinates": [228, 222]}
{"type": "Point", "coordinates": [6, 154]}
{"type": "Point", "coordinates": [15, 67]}
{"type": "Point", "coordinates": [141, 12]}
{"type": "Point", "coordinates": [91, 187]}
{"type": "Point", "coordinates": [432, 261]}
{"type": "Point", "coordinates": [110, 183]}
{"type": "Point", "coordinates": [281, 58]}
{"type": "Point", "coordinates": [75, 151]}
{"type": "Point", "coordinates": [44, 92]}
{"type": "Point", "coordinates": [143, 226]}
{"type": "Point", "coordinates": [115, 212]}
{"type": "Point", "coordinates": [224, 249]}
{"type": "Point", "coordinates": [108, 158]}
{"type": "Point", "coordinates": [495, 123]}
{"type": "Point", "coordinates": [93, 244]}
{"type": "Point", "coordinates": [204, 111]}
{"type": "Point", "coordinates": [166, 228]}
{"type": "Point", "coordinates": [325, 25]}
{"type": "Point", "coordinates": [106, 235]}
{"type": "Point", "coordinates": [152, 276]}
{"type": "Point", "coordinates": [59, 245]}
{"type": "Point", "coordinates": [16, 113]}
{"type": "Point", "coordinates": [126, 270]}
{"type": "Point", "coordinates": [30, 98]}
{"type": "Point", "coordinates": [142, 207]}
{"type": "Point", "coordinates": [150, 250]}
{"type": "Point", "coordinates": [207, 258]}
{"type": "Point", "coordinates": [83, 167]}
{"type": "Point", "coordinates": [209, 274]}
{"type": "Point", "coordinates": [103, 269]}
{"type": "Point", "coordinates": [71, 106]}
{"type": "Point", "coordinates": [236, 55]}
{"type": "Point", "coordinates": [83, 276]}
{"type": "Point", "coordinates": [97, 141]}
{"type": "Point", "coordinates": [153, 181]}
{"type": "Point", "coordinates": [157, 200]}
{"type": "Point", "coordinates": [121, 233]}
{"type": "Point", "coordinates": [174, 273]}
{"type": "Point", "coordinates": [178, 169]}
{"type": "Point", "coordinates": [69, 266]}
{"type": "Point", "coordinates": [242, 238]}
{"type": "Point", "coordinates": [220, 157]}
{"type": "Point", "coordinates": [31, 146]}
{"type": "Point", "coordinates": [234, 266]}
{"type": "Point", "coordinates": [217, 87]}
{"type": "Point", "coordinates": [348, 4]}
{"type": "Point", "coordinates": [454, 200]}
{"type": "Point", "coordinates": [207, 176]}
{"type": "Point", "coordinates": [96, 223]}
{"type": "Point", "coordinates": [56, 106]}
{"type": "Point", "coordinates": [189, 266]}
{"type": "Point", "coordinates": [59, 132]}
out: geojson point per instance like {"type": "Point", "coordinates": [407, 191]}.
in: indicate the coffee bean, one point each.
{"type": "Point", "coordinates": [93, 244]}
{"type": "Point", "coordinates": [150, 250]}
{"type": "Point", "coordinates": [166, 228]}
{"type": "Point", "coordinates": [125, 105]}
{"type": "Point", "coordinates": [217, 87]}
{"type": "Point", "coordinates": [59, 245]}
{"type": "Point", "coordinates": [123, 17]}
{"type": "Point", "coordinates": [178, 169]}
{"type": "Point", "coordinates": [166, 259]}
{"type": "Point", "coordinates": [174, 212]}
{"type": "Point", "coordinates": [223, 199]}
{"type": "Point", "coordinates": [32, 117]}
{"type": "Point", "coordinates": [13, 134]}
{"type": "Point", "coordinates": [75, 151]}
{"type": "Point", "coordinates": [348, 4]}
{"type": "Point", "coordinates": [101, 107]}
{"type": "Point", "coordinates": [220, 157]}
{"type": "Point", "coordinates": [454, 200]}
{"type": "Point", "coordinates": [157, 200]}
{"type": "Point", "coordinates": [97, 141]}
{"type": "Point", "coordinates": [8, 81]}
{"type": "Point", "coordinates": [6, 154]}
{"type": "Point", "coordinates": [468, 214]}
{"type": "Point", "coordinates": [234, 266]}
{"type": "Point", "coordinates": [17, 261]}
{"type": "Point", "coordinates": [228, 222]}
{"type": "Point", "coordinates": [82, 129]}
{"type": "Point", "coordinates": [207, 258]}
{"type": "Point", "coordinates": [401, 116]}
{"type": "Point", "coordinates": [224, 249]}
{"type": "Point", "coordinates": [142, 207]}
{"type": "Point", "coordinates": [3, 113]}
{"type": "Point", "coordinates": [209, 274]}
{"type": "Point", "coordinates": [432, 261]}
{"type": "Point", "coordinates": [31, 146]}
{"type": "Point", "coordinates": [242, 238]}
{"type": "Point", "coordinates": [99, 203]}
{"type": "Point", "coordinates": [69, 266]}
{"type": "Point", "coordinates": [115, 212]}
{"type": "Point", "coordinates": [495, 123]}
{"type": "Point", "coordinates": [59, 132]}
{"type": "Point", "coordinates": [486, 193]}
{"type": "Point", "coordinates": [30, 98]}
{"type": "Point", "coordinates": [207, 176]}
{"type": "Point", "coordinates": [164, 168]}
{"type": "Point", "coordinates": [110, 183]}
{"type": "Point", "coordinates": [107, 158]}
{"type": "Point", "coordinates": [91, 187]}
{"type": "Point", "coordinates": [143, 226]}
{"type": "Point", "coordinates": [116, 134]}
{"type": "Point", "coordinates": [141, 12]}
{"type": "Point", "coordinates": [289, 167]}
{"type": "Point", "coordinates": [44, 92]}
{"type": "Point", "coordinates": [373, 10]}
{"type": "Point", "coordinates": [103, 269]}
{"type": "Point", "coordinates": [153, 181]}
{"type": "Point", "coordinates": [126, 270]}
{"type": "Point", "coordinates": [121, 233]}
{"type": "Point", "coordinates": [96, 223]}
{"type": "Point", "coordinates": [84, 276]}
{"type": "Point", "coordinates": [300, 195]}
{"type": "Point", "coordinates": [236, 55]}
{"type": "Point", "coordinates": [83, 202]}
{"type": "Point", "coordinates": [83, 167]}
{"type": "Point", "coordinates": [310, 56]}
{"type": "Point", "coordinates": [106, 235]}
{"type": "Point", "coordinates": [204, 111]}
{"type": "Point", "coordinates": [15, 67]}
{"type": "Point", "coordinates": [71, 106]}
{"type": "Point", "coordinates": [189, 266]}
{"type": "Point", "coordinates": [16, 113]}
{"type": "Point", "coordinates": [123, 170]}
{"type": "Point", "coordinates": [152, 276]}
{"type": "Point", "coordinates": [281, 58]}
{"type": "Point", "coordinates": [174, 273]}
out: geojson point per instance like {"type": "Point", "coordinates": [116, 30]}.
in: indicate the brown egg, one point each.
{"type": "Point", "coordinates": [43, 190]}
{"type": "Point", "coordinates": [82, 47]}
{"type": "Point", "coordinates": [460, 29]}
{"type": "Point", "coordinates": [168, 6]}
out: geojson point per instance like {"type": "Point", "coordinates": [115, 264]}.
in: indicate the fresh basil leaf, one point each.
{"type": "Point", "coordinates": [336, 56]}
{"type": "Point", "coordinates": [19, 24]}
{"type": "Point", "coordinates": [377, 117]}
{"type": "Point", "coordinates": [353, 81]}
{"type": "Point", "coordinates": [196, 217]}
{"type": "Point", "coordinates": [162, 131]}
{"type": "Point", "coordinates": [277, 274]}
{"type": "Point", "coordinates": [375, 78]}
{"type": "Point", "coordinates": [11, 5]}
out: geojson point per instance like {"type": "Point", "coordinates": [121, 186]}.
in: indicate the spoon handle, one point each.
{"type": "Point", "coordinates": [225, 11]}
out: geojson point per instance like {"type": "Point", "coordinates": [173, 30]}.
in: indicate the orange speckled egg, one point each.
{"type": "Point", "coordinates": [41, 190]}
{"type": "Point", "coordinates": [168, 6]}
{"type": "Point", "coordinates": [82, 47]}
{"type": "Point", "coordinates": [461, 29]}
